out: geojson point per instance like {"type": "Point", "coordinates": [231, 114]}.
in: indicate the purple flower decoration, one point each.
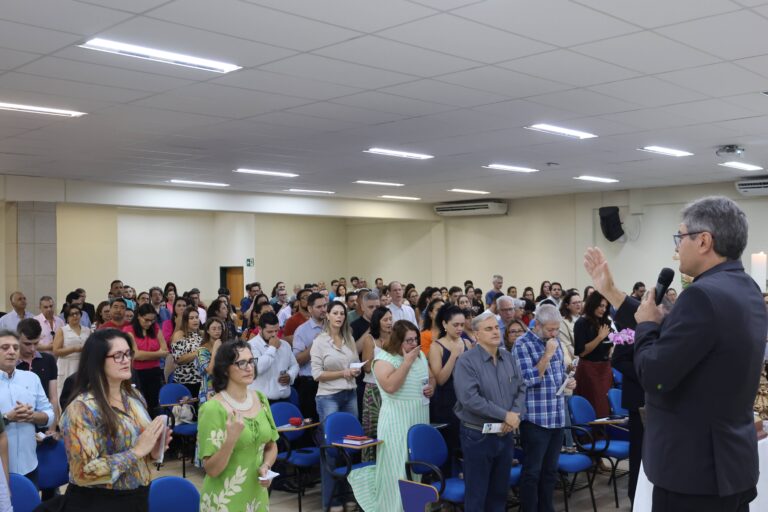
{"type": "Point", "coordinates": [625, 337]}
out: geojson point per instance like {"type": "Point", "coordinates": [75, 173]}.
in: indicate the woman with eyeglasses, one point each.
{"type": "Point", "coordinates": [68, 343]}
{"type": "Point", "coordinates": [236, 437]}
{"type": "Point", "coordinates": [406, 385]}
{"type": "Point", "coordinates": [150, 347]}
{"type": "Point", "coordinates": [109, 437]}
{"type": "Point", "coordinates": [515, 328]}
{"type": "Point", "coordinates": [184, 345]}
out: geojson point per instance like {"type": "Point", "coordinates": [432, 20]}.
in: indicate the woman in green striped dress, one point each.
{"type": "Point", "coordinates": [405, 383]}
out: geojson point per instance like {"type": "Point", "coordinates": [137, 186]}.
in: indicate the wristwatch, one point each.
{"type": "Point", "coordinates": [6, 419]}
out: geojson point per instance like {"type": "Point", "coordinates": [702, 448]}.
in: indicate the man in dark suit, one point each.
{"type": "Point", "coordinates": [700, 367]}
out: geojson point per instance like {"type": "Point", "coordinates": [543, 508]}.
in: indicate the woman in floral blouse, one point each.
{"type": "Point", "coordinates": [236, 436]}
{"type": "Point", "coordinates": [109, 437]}
{"type": "Point", "coordinates": [184, 344]}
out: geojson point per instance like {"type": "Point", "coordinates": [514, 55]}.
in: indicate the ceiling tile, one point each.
{"type": "Point", "coordinates": [502, 81]}
{"type": "Point", "coordinates": [189, 41]}
{"type": "Point", "coordinates": [16, 36]}
{"type": "Point", "coordinates": [569, 68]}
{"type": "Point", "coordinates": [652, 118]}
{"type": "Point", "coordinates": [402, 58]}
{"type": "Point", "coordinates": [363, 15]}
{"type": "Point", "coordinates": [524, 113]}
{"type": "Point", "coordinates": [757, 65]}
{"type": "Point", "coordinates": [391, 103]}
{"type": "Point", "coordinates": [10, 59]}
{"type": "Point", "coordinates": [132, 6]}
{"type": "Point", "coordinates": [445, 5]}
{"type": "Point", "coordinates": [656, 13]}
{"type": "Point", "coordinates": [336, 71]}
{"type": "Point", "coordinates": [288, 85]}
{"type": "Point", "coordinates": [707, 111]}
{"type": "Point", "coordinates": [757, 103]}
{"type": "Point", "coordinates": [729, 36]}
{"type": "Point", "coordinates": [584, 102]}
{"type": "Point", "coordinates": [248, 21]}
{"type": "Point", "coordinates": [65, 88]}
{"type": "Point", "coordinates": [218, 100]}
{"type": "Point", "coordinates": [101, 75]}
{"type": "Point", "coordinates": [344, 113]}
{"type": "Point", "coordinates": [572, 25]}
{"type": "Point", "coordinates": [753, 126]}
{"type": "Point", "coordinates": [64, 15]}
{"type": "Point", "coordinates": [718, 80]}
{"type": "Point", "coordinates": [648, 92]}
{"type": "Point", "coordinates": [299, 120]}
{"type": "Point", "coordinates": [464, 38]}
{"type": "Point", "coordinates": [646, 52]}
{"type": "Point", "coordinates": [449, 94]}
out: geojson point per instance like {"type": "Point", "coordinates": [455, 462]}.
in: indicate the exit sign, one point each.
{"type": "Point", "coordinates": [249, 262]}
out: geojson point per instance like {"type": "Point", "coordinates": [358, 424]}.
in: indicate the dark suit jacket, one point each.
{"type": "Point", "coordinates": [623, 359]}
{"type": "Point", "coordinates": [701, 369]}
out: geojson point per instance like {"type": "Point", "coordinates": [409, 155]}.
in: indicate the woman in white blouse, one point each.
{"type": "Point", "coordinates": [570, 309]}
{"type": "Point", "coordinates": [332, 353]}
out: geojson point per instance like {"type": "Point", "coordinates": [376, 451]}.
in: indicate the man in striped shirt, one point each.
{"type": "Point", "coordinates": [541, 431]}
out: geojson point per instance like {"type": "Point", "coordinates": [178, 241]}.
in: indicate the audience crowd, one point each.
{"type": "Point", "coordinates": [391, 355]}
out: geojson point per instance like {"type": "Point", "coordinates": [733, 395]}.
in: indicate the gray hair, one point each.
{"type": "Point", "coordinates": [547, 314]}
{"type": "Point", "coordinates": [722, 218]}
{"type": "Point", "coordinates": [371, 296]}
{"type": "Point", "coordinates": [7, 333]}
{"type": "Point", "coordinates": [497, 276]}
{"type": "Point", "coordinates": [505, 298]}
{"type": "Point", "coordinates": [482, 317]}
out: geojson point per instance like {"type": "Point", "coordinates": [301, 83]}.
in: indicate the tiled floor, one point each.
{"type": "Point", "coordinates": [286, 502]}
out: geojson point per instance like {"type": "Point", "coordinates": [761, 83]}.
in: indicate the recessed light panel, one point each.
{"type": "Point", "coordinates": [309, 191]}
{"type": "Point", "coordinates": [559, 130]}
{"type": "Point", "coordinates": [468, 191]}
{"type": "Point", "coordinates": [379, 183]}
{"type": "Point", "coordinates": [512, 168]}
{"type": "Point", "coordinates": [596, 179]}
{"type": "Point", "coordinates": [660, 150]}
{"type": "Point", "coordinates": [201, 183]}
{"type": "Point", "coordinates": [142, 52]}
{"type": "Point", "coordinates": [403, 198]}
{"type": "Point", "coordinates": [278, 174]}
{"type": "Point", "coordinates": [33, 109]}
{"type": "Point", "coordinates": [399, 154]}
{"type": "Point", "coordinates": [741, 166]}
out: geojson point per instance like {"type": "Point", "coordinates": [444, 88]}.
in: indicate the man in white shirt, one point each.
{"type": "Point", "coordinates": [276, 366]}
{"type": "Point", "coordinates": [11, 319]}
{"type": "Point", "coordinates": [556, 293]}
{"type": "Point", "coordinates": [49, 322]}
{"type": "Point", "coordinates": [400, 309]}
{"type": "Point", "coordinates": [302, 343]}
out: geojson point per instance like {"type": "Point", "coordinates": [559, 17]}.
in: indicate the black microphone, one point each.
{"type": "Point", "coordinates": [662, 283]}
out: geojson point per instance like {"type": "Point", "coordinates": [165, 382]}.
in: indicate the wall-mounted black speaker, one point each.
{"type": "Point", "coordinates": [610, 223]}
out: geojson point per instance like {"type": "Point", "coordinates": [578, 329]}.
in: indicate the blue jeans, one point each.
{"type": "Point", "coordinates": [542, 453]}
{"type": "Point", "coordinates": [343, 401]}
{"type": "Point", "coordinates": [487, 462]}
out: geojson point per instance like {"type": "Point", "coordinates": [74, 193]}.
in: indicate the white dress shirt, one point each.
{"type": "Point", "coordinates": [270, 361]}
{"type": "Point", "coordinates": [404, 312]}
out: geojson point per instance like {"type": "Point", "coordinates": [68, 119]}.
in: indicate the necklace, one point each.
{"type": "Point", "coordinates": [245, 405]}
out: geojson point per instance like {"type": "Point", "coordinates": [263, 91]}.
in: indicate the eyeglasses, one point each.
{"type": "Point", "coordinates": [120, 357]}
{"type": "Point", "coordinates": [244, 363]}
{"type": "Point", "coordinates": [679, 237]}
{"type": "Point", "coordinates": [412, 341]}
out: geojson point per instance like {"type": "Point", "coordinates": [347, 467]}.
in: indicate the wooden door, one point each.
{"type": "Point", "coordinates": [236, 284]}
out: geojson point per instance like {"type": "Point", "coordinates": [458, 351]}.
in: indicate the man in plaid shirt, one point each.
{"type": "Point", "coordinates": [541, 431]}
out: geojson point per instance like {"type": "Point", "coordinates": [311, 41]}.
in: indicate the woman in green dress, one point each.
{"type": "Point", "coordinates": [406, 385]}
{"type": "Point", "coordinates": [236, 436]}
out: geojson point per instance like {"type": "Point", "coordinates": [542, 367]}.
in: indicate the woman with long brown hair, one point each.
{"type": "Point", "coordinates": [110, 440]}
{"type": "Point", "coordinates": [593, 374]}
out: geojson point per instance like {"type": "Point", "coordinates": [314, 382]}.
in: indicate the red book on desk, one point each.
{"type": "Point", "coordinates": [357, 440]}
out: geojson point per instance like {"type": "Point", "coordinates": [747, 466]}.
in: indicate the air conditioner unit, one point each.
{"type": "Point", "coordinates": [469, 209]}
{"type": "Point", "coordinates": [755, 187]}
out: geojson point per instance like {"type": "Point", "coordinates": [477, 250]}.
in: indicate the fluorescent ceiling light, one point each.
{"type": "Point", "coordinates": [203, 183]}
{"type": "Point", "coordinates": [404, 198]}
{"type": "Point", "coordinates": [558, 130]}
{"type": "Point", "coordinates": [267, 173]}
{"type": "Point", "coordinates": [141, 52]}
{"type": "Point", "coordinates": [596, 179]}
{"type": "Point", "coordinates": [741, 166]}
{"type": "Point", "coordinates": [468, 191]}
{"type": "Point", "coordinates": [380, 183]}
{"type": "Point", "coordinates": [513, 168]}
{"type": "Point", "coordinates": [665, 151]}
{"type": "Point", "coordinates": [308, 191]}
{"type": "Point", "coordinates": [32, 109]}
{"type": "Point", "coordinates": [400, 154]}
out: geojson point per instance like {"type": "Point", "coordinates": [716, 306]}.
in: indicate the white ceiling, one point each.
{"type": "Point", "coordinates": [322, 80]}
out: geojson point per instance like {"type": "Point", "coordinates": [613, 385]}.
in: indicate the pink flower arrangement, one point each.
{"type": "Point", "coordinates": [624, 337]}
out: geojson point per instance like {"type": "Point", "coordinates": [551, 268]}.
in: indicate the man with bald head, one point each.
{"type": "Point", "coordinates": [11, 320]}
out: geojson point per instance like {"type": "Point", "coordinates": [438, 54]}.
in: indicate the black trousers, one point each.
{"type": "Point", "coordinates": [668, 501]}
{"type": "Point", "coordinates": [307, 389]}
{"type": "Point", "coordinates": [636, 430]}
{"type": "Point", "coordinates": [149, 383]}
